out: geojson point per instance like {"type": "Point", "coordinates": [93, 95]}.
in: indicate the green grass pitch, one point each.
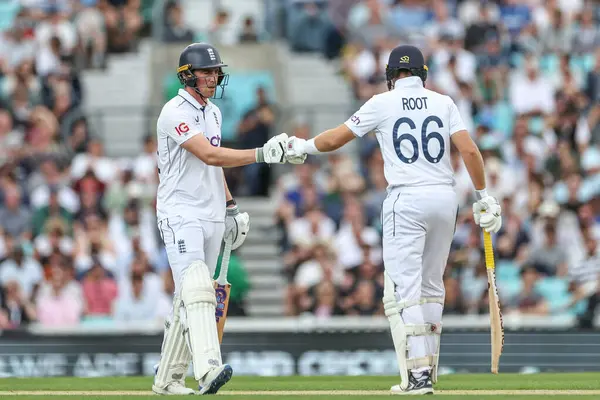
{"type": "Point", "coordinates": [450, 387]}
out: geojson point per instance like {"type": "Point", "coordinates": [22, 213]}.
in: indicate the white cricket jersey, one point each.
{"type": "Point", "coordinates": [413, 127]}
{"type": "Point", "coordinates": [187, 186]}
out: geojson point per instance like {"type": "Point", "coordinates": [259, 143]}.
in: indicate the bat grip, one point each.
{"type": "Point", "coordinates": [225, 262]}
{"type": "Point", "coordinates": [489, 250]}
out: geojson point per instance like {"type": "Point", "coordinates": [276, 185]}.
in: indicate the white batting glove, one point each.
{"type": "Point", "coordinates": [487, 213]}
{"type": "Point", "coordinates": [295, 152]}
{"type": "Point", "coordinates": [273, 152]}
{"type": "Point", "coordinates": [237, 226]}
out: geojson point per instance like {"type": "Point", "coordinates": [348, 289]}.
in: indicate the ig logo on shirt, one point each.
{"type": "Point", "coordinates": [182, 129]}
{"type": "Point", "coordinates": [355, 119]}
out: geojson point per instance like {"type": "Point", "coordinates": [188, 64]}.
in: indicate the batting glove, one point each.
{"type": "Point", "coordinates": [487, 213]}
{"type": "Point", "coordinates": [295, 152]}
{"type": "Point", "coordinates": [273, 152]}
{"type": "Point", "coordinates": [237, 226]}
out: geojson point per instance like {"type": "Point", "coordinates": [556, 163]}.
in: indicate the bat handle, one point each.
{"type": "Point", "coordinates": [225, 262]}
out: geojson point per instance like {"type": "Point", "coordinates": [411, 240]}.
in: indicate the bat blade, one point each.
{"type": "Point", "coordinates": [222, 290]}
{"type": "Point", "coordinates": [222, 294]}
{"type": "Point", "coordinates": [496, 323]}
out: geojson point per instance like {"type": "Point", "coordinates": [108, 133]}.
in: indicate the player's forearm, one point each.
{"type": "Point", "coordinates": [228, 195]}
{"type": "Point", "coordinates": [325, 142]}
{"type": "Point", "coordinates": [474, 163]}
{"type": "Point", "coordinates": [330, 140]}
{"type": "Point", "coordinates": [224, 157]}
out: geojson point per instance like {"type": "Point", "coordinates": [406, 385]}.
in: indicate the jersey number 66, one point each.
{"type": "Point", "coordinates": [425, 138]}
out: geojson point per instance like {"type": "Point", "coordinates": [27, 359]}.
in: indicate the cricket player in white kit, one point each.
{"type": "Point", "coordinates": [195, 211]}
{"type": "Point", "coordinates": [414, 127]}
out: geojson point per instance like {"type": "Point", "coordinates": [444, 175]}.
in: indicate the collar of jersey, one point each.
{"type": "Point", "coordinates": [409, 81]}
{"type": "Point", "coordinates": [188, 97]}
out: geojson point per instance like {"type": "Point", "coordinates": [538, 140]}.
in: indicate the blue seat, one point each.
{"type": "Point", "coordinates": [507, 271]}
{"type": "Point", "coordinates": [579, 308]}
{"type": "Point", "coordinates": [549, 63]}
{"type": "Point", "coordinates": [555, 291]}
{"type": "Point", "coordinates": [503, 118]}
{"type": "Point", "coordinates": [588, 62]}
{"type": "Point", "coordinates": [8, 11]}
{"type": "Point", "coordinates": [509, 288]}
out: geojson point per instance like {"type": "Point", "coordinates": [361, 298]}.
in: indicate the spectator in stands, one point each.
{"type": "Point", "coordinates": [55, 239]}
{"type": "Point", "coordinates": [254, 130]}
{"type": "Point", "coordinates": [60, 300]}
{"type": "Point", "coordinates": [94, 159]}
{"type": "Point", "coordinates": [531, 93]}
{"type": "Point", "coordinates": [309, 27]}
{"type": "Point", "coordinates": [175, 29]}
{"type": "Point", "coordinates": [528, 301]}
{"type": "Point", "coordinates": [585, 280]}
{"type": "Point", "coordinates": [248, 32]}
{"type": "Point", "coordinates": [22, 78]}
{"type": "Point", "coordinates": [355, 236]}
{"type": "Point", "coordinates": [481, 29]}
{"type": "Point", "coordinates": [145, 167]}
{"type": "Point", "coordinates": [16, 309]}
{"type": "Point", "coordinates": [512, 239]}
{"type": "Point", "coordinates": [364, 299]}
{"type": "Point", "coordinates": [551, 259]}
{"type": "Point", "coordinates": [23, 269]}
{"type": "Point", "coordinates": [137, 304]}
{"type": "Point", "coordinates": [592, 85]}
{"type": "Point", "coordinates": [49, 178]}
{"type": "Point", "coordinates": [53, 210]}
{"type": "Point", "coordinates": [322, 265]}
{"type": "Point", "coordinates": [11, 139]}
{"type": "Point", "coordinates": [15, 218]}
{"type": "Point", "coordinates": [56, 24]}
{"type": "Point", "coordinates": [123, 23]}
{"type": "Point", "coordinates": [218, 29]}
{"type": "Point", "coordinates": [99, 291]}
{"type": "Point", "coordinates": [90, 26]}
{"type": "Point", "coordinates": [92, 241]}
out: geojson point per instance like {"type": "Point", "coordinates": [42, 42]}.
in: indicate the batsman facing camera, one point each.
{"type": "Point", "coordinates": [194, 211]}
{"type": "Point", "coordinates": [415, 128]}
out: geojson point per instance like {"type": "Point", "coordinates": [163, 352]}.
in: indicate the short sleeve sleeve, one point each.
{"type": "Point", "coordinates": [365, 119]}
{"type": "Point", "coordinates": [456, 121]}
{"type": "Point", "coordinates": [179, 126]}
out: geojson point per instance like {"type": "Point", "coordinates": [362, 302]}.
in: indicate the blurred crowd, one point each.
{"type": "Point", "coordinates": [525, 75]}
{"type": "Point", "coordinates": [78, 238]}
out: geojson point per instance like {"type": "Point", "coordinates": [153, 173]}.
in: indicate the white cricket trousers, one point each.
{"type": "Point", "coordinates": [418, 228]}
{"type": "Point", "coordinates": [189, 240]}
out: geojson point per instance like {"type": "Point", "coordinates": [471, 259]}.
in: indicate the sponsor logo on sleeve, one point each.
{"type": "Point", "coordinates": [182, 129]}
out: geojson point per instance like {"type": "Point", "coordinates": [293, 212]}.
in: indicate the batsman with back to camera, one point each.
{"type": "Point", "coordinates": [195, 211]}
{"type": "Point", "coordinates": [414, 127]}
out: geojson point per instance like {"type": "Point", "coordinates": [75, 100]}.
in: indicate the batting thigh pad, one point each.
{"type": "Point", "coordinates": [401, 331]}
{"type": "Point", "coordinates": [198, 295]}
{"type": "Point", "coordinates": [175, 356]}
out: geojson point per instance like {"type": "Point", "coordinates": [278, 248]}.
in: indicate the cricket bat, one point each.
{"type": "Point", "coordinates": [497, 326]}
{"type": "Point", "coordinates": [222, 289]}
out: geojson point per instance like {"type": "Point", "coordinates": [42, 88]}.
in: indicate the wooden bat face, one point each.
{"type": "Point", "coordinates": [222, 295]}
{"type": "Point", "coordinates": [497, 326]}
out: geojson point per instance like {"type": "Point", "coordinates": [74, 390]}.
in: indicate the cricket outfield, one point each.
{"type": "Point", "coordinates": [474, 386]}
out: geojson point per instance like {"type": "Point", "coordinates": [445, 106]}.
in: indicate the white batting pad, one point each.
{"type": "Point", "coordinates": [432, 313]}
{"type": "Point", "coordinates": [199, 302]}
{"type": "Point", "coordinates": [401, 332]}
{"type": "Point", "coordinates": [175, 356]}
